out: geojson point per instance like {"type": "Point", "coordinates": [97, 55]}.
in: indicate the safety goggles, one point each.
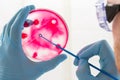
{"type": "Point", "coordinates": [105, 14]}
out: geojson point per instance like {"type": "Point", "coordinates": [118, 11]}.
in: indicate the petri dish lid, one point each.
{"type": "Point", "coordinates": [52, 26]}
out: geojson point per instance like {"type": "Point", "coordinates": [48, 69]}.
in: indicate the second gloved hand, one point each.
{"type": "Point", "coordinates": [107, 62]}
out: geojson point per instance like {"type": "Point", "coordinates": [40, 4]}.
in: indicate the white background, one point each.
{"type": "Point", "coordinates": [80, 16]}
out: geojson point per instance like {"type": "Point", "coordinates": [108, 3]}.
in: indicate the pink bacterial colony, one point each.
{"type": "Point", "coordinates": [52, 27]}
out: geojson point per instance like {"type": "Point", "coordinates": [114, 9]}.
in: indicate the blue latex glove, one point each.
{"type": "Point", "coordinates": [107, 62]}
{"type": "Point", "coordinates": [14, 65]}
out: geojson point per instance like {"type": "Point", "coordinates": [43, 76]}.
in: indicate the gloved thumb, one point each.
{"type": "Point", "coordinates": [83, 71]}
{"type": "Point", "coordinates": [55, 61]}
{"type": "Point", "coordinates": [51, 64]}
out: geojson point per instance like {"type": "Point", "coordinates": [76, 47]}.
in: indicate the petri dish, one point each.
{"type": "Point", "coordinates": [52, 26]}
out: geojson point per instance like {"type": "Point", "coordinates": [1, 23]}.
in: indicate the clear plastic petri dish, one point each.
{"type": "Point", "coordinates": [52, 26]}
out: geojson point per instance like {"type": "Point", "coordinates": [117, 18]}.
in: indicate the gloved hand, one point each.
{"type": "Point", "coordinates": [107, 62]}
{"type": "Point", "coordinates": [14, 65]}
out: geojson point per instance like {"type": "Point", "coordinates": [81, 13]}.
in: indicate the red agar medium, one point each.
{"type": "Point", "coordinates": [52, 26]}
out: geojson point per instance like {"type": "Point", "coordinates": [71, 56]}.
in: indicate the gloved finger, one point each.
{"type": "Point", "coordinates": [83, 71]}
{"type": "Point", "coordinates": [16, 28]}
{"type": "Point", "coordinates": [106, 56]}
{"type": "Point", "coordinates": [14, 17]}
{"type": "Point", "coordinates": [3, 33]}
{"type": "Point", "coordinates": [107, 60]}
{"type": "Point", "coordinates": [51, 64]}
{"type": "Point", "coordinates": [76, 61]}
{"type": "Point", "coordinates": [8, 27]}
{"type": "Point", "coordinates": [88, 51]}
